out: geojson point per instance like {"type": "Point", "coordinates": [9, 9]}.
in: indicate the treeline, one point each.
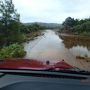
{"type": "Point", "coordinates": [28, 28]}
{"type": "Point", "coordinates": [76, 26]}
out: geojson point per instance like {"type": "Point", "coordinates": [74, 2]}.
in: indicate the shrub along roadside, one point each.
{"type": "Point", "coordinates": [12, 51]}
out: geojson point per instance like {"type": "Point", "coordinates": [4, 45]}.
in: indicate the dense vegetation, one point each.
{"type": "Point", "coordinates": [12, 31]}
{"type": "Point", "coordinates": [9, 23]}
{"type": "Point", "coordinates": [28, 28]}
{"type": "Point", "coordinates": [13, 50]}
{"type": "Point", "coordinates": [76, 26]}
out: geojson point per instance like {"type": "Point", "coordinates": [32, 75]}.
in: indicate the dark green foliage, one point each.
{"type": "Point", "coordinates": [83, 28]}
{"type": "Point", "coordinates": [69, 22]}
{"type": "Point", "coordinates": [24, 28]}
{"type": "Point", "coordinates": [29, 28]}
{"type": "Point", "coordinates": [76, 26]}
{"type": "Point", "coordinates": [9, 22]}
{"type": "Point", "coordinates": [10, 32]}
{"type": "Point", "coordinates": [34, 27]}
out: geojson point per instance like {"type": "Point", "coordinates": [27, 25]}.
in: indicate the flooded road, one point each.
{"type": "Point", "coordinates": [55, 48]}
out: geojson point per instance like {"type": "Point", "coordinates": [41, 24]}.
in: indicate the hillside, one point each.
{"type": "Point", "coordinates": [46, 25]}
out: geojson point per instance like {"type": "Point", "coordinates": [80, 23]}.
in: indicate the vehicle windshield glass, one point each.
{"type": "Point", "coordinates": [45, 34]}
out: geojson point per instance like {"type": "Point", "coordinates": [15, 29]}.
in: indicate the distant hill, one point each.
{"type": "Point", "coordinates": [46, 25]}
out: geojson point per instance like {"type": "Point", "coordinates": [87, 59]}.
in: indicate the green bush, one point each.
{"type": "Point", "coordinates": [12, 51]}
{"type": "Point", "coordinates": [19, 38]}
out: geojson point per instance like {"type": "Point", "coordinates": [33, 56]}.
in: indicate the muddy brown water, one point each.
{"type": "Point", "coordinates": [54, 47]}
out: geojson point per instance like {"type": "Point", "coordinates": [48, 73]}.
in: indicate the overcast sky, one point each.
{"type": "Point", "coordinates": [52, 11]}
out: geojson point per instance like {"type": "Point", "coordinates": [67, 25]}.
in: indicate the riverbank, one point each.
{"type": "Point", "coordinates": [16, 50]}
{"type": "Point", "coordinates": [72, 39]}
{"type": "Point", "coordinates": [33, 35]}
{"type": "Point", "coordinates": [71, 33]}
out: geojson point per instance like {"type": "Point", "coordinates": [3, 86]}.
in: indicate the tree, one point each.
{"type": "Point", "coordinates": [69, 22]}
{"type": "Point", "coordinates": [34, 27]}
{"type": "Point", "coordinates": [9, 19]}
{"type": "Point", "coordinates": [83, 28]}
{"type": "Point", "coordinates": [77, 26]}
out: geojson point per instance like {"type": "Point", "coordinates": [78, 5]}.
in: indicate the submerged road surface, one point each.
{"type": "Point", "coordinates": [51, 47]}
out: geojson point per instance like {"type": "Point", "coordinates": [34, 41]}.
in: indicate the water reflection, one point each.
{"type": "Point", "coordinates": [78, 45]}
{"type": "Point", "coordinates": [71, 41]}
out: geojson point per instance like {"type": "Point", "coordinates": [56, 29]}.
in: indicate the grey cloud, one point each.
{"type": "Point", "coordinates": [52, 10]}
